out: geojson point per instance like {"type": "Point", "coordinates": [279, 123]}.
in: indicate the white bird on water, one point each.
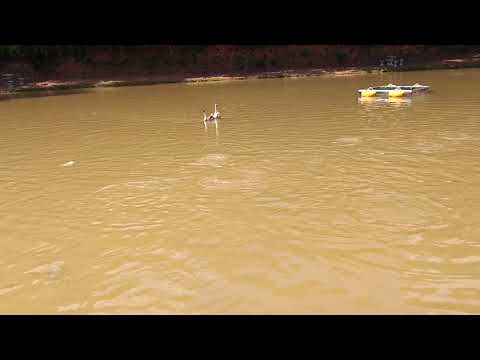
{"type": "Point", "coordinates": [216, 114]}
{"type": "Point", "coordinates": [209, 118]}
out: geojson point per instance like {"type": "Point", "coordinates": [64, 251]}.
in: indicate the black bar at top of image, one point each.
{"type": "Point", "coordinates": [242, 24]}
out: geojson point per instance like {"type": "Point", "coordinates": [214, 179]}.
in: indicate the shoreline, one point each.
{"type": "Point", "coordinates": [49, 87]}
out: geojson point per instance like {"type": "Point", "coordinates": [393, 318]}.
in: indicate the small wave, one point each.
{"type": "Point", "coordinates": [52, 268]}
{"type": "Point", "coordinates": [72, 307]}
{"type": "Point", "coordinates": [8, 290]}
{"type": "Point", "coordinates": [348, 141]}
{"type": "Point", "coordinates": [213, 160]}
{"type": "Point", "coordinates": [466, 260]}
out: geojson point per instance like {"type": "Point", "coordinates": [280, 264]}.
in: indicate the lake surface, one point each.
{"type": "Point", "coordinates": [302, 199]}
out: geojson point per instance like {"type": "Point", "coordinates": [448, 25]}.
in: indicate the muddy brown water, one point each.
{"type": "Point", "coordinates": [302, 199]}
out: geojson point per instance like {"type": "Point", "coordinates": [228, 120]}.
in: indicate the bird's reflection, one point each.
{"type": "Point", "coordinates": [390, 101]}
{"type": "Point", "coordinates": [208, 123]}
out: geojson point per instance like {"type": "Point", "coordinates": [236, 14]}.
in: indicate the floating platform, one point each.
{"type": "Point", "coordinates": [385, 101]}
{"type": "Point", "coordinates": [393, 90]}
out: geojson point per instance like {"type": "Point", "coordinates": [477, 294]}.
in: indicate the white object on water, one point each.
{"type": "Point", "coordinates": [393, 90]}
{"type": "Point", "coordinates": [69, 163]}
{"type": "Point", "coordinates": [209, 118]}
{"type": "Point", "coordinates": [216, 114]}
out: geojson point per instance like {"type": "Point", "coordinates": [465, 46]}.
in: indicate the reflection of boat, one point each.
{"type": "Point", "coordinates": [391, 90]}
{"type": "Point", "coordinates": [376, 101]}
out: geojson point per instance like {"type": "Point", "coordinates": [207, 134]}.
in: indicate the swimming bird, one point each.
{"type": "Point", "coordinates": [209, 118]}
{"type": "Point", "coordinates": [216, 114]}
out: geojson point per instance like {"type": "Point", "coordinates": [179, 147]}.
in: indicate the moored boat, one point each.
{"type": "Point", "coordinates": [392, 90]}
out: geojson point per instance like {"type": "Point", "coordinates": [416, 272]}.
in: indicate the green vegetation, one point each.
{"type": "Point", "coordinates": [38, 56]}
{"type": "Point", "coordinates": [260, 64]}
{"type": "Point", "coordinates": [306, 52]}
{"type": "Point", "coordinates": [239, 62]}
{"type": "Point", "coordinates": [341, 58]}
{"type": "Point", "coordinates": [206, 59]}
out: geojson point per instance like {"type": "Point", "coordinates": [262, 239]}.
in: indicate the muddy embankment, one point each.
{"type": "Point", "coordinates": [145, 65]}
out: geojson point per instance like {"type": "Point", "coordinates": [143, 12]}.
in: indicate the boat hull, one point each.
{"type": "Point", "coordinates": [393, 90]}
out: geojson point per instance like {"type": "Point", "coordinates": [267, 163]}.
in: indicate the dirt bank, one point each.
{"type": "Point", "coordinates": [20, 79]}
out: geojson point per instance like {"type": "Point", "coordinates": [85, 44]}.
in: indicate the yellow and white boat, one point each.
{"type": "Point", "coordinates": [376, 101]}
{"type": "Point", "coordinates": [392, 90]}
